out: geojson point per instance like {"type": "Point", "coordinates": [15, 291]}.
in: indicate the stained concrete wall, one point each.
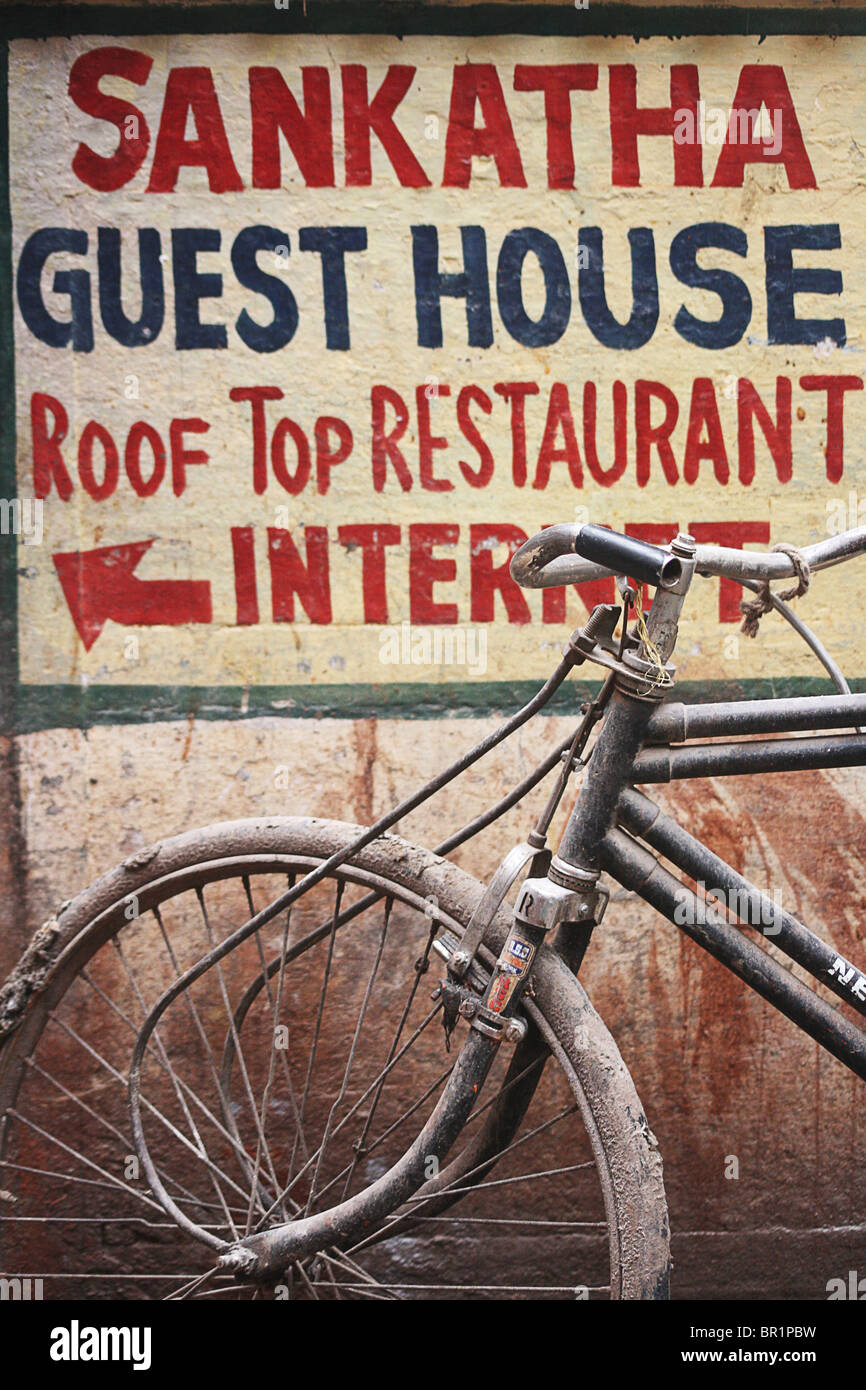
{"type": "Point", "coordinates": [720, 1075]}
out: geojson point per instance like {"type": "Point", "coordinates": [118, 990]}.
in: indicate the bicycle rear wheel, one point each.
{"type": "Point", "coordinates": [292, 1075]}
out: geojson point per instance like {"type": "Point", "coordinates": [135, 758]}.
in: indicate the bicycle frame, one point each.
{"type": "Point", "coordinates": [640, 740]}
{"type": "Point", "coordinates": [612, 825]}
{"type": "Point", "coordinates": [609, 829]}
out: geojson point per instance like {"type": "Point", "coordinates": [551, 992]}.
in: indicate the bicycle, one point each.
{"type": "Point", "coordinates": [221, 1068]}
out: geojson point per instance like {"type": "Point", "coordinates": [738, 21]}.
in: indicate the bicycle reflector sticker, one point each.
{"type": "Point", "coordinates": [513, 963]}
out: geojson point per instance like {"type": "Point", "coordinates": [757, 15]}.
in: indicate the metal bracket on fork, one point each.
{"type": "Point", "coordinates": [493, 898]}
{"type": "Point", "coordinates": [545, 902]}
{"type": "Point", "coordinates": [459, 1001]}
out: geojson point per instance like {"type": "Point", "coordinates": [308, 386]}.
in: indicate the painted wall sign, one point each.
{"type": "Point", "coordinates": [311, 331]}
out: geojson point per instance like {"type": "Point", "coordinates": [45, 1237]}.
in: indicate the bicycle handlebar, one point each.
{"type": "Point", "coordinates": [766, 564]}
{"type": "Point", "coordinates": [575, 554]}
{"type": "Point", "coordinates": [548, 558]}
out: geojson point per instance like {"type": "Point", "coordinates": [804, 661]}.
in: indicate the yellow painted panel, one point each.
{"type": "Point", "coordinates": [190, 574]}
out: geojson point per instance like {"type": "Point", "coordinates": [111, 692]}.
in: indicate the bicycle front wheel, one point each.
{"type": "Point", "coordinates": [291, 1076]}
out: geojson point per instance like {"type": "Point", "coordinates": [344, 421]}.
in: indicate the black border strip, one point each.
{"type": "Point", "coordinates": [386, 17]}
{"type": "Point", "coordinates": [8, 442]}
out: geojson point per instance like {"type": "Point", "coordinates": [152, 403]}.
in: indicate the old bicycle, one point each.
{"type": "Point", "coordinates": [229, 1068]}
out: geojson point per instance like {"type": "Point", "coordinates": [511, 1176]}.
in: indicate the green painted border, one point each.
{"type": "Point", "coordinates": [27, 709]}
{"type": "Point", "coordinates": [73, 707]}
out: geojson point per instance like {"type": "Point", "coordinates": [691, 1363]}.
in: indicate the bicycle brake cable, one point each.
{"type": "Point", "coordinates": [592, 714]}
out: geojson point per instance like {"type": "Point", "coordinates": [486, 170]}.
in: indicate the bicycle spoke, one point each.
{"type": "Point", "coordinates": [420, 969]}
{"type": "Point", "coordinates": [97, 1221]}
{"type": "Point", "coordinates": [496, 1289]}
{"type": "Point", "coordinates": [94, 1182]}
{"type": "Point", "coordinates": [275, 1013]}
{"type": "Point", "coordinates": [231, 1139]}
{"type": "Point", "coordinates": [342, 1123]}
{"type": "Point", "coordinates": [154, 1110]}
{"type": "Point", "coordinates": [190, 1286]}
{"type": "Point", "coordinates": [238, 1049]}
{"type": "Point", "coordinates": [306, 1279]}
{"type": "Point", "coordinates": [88, 1162]}
{"type": "Point", "coordinates": [234, 1289]}
{"type": "Point", "coordinates": [124, 1139]}
{"type": "Point", "coordinates": [386, 917]}
{"type": "Point", "coordinates": [343, 1261]}
{"type": "Point", "coordinates": [386, 1134]}
{"type": "Point", "coordinates": [371, 1290]}
{"type": "Point", "coordinates": [534, 1221]}
{"type": "Point", "coordinates": [518, 1177]}
{"type": "Point", "coordinates": [133, 1278]}
{"type": "Point", "coordinates": [450, 1189]}
{"type": "Point", "coordinates": [479, 1110]}
{"type": "Point", "coordinates": [317, 1030]}
{"type": "Point", "coordinates": [203, 1038]}
{"type": "Point", "coordinates": [157, 1043]}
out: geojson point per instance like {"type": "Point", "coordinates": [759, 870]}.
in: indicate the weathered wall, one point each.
{"type": "Point", "coordinates": [719, 1073]}
{"type": "Point", "coordinates": [86, 782]}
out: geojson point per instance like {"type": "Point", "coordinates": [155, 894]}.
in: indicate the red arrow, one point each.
{"type": "Point", "coordinates": [100, 584]}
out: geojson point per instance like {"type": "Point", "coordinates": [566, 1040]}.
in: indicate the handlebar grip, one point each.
{"type": "Point", "coordinates": [628, 555]}
{"type": "Point", "coordinates": [545, 560]}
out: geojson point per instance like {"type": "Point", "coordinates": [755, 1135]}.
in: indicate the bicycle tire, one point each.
{"type": "Point", "coordinates": [39, 1047]}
